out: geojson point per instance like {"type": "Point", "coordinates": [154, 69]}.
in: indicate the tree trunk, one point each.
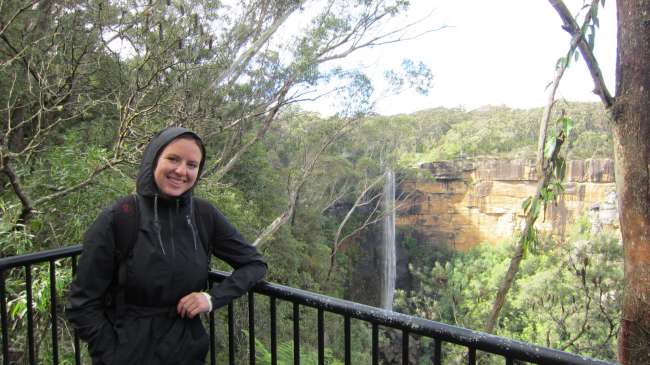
{"type": "Point", "coordinates": [631, 114]}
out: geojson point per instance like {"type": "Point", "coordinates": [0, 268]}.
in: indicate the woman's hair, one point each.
{"type": "Point", "coordinates": [193, 137]}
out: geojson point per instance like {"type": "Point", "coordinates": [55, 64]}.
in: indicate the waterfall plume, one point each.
{"type": "Point", "coordinates": [388, 244]}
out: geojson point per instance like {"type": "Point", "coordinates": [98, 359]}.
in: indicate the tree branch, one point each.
{"type": "Point", "coordinates": [261, 132]}
{"type": "Point", "coordinates": [93, 175]}
{"type": "Point", "coordinates": [559, 72]}
{"type": "Point", "coordinates": [26, 203]}
{"type": "Point", "coordinates": [571, 26]}
{"type": "Point", "coordinates": [238, 64]}
{"type": "Point", "coordinates": [513, 268]}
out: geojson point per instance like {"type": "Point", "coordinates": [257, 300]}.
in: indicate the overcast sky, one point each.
{"type": "Point", "coordinates": [498, 52]}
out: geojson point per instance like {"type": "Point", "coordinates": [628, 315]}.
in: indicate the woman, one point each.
{"type": "Point", "coordinates": [155, 320]}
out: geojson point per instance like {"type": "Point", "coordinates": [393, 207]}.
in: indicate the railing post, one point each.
{"type": "Point", "coordinates": [213, 349]}
{"type": "Point", "coordinates": [251, 328]}
{"type": "Point", "coordinates": [53, 314]}
{"type": "Point", "coordinates": [375, 344]}
{"type": "Point", "coordinates": [405, 347]}
{"type": "Point", "coordinates": [437, 352]}
{"type": "Point", "coordinates": [231, 333]}
{"type": "Point", "coordinates": [77, 344]}
{"type": "Point", "coordinates": [347, 350]}
{"type": "Point", "coordinates": [274, 339]}
{"type": "Point", "coordinates": [471, 356]}
{"type": "Point", "coordinates": [30, 315]}
{"type": "Point", "coordinates": [321, 337]}
{"type": "Point", "coordinates": [296, 334]}
{"type": "Point", "coordinates": [3, 319]}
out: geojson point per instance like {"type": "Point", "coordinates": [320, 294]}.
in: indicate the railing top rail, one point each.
{"type": "Point", "coordinates": [41, 256]}
{"type": "Point", "coordinates": [458, 335]}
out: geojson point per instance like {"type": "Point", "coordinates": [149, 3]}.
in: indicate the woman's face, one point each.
{"type": "Point", "coordinates": [177, 167]}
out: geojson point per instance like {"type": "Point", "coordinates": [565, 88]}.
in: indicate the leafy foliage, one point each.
{"type": "Point", "coordinates": [567, 296]}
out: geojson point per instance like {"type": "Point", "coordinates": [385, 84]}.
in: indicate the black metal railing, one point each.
{"type": "Point", "coordinates": [476, 344]}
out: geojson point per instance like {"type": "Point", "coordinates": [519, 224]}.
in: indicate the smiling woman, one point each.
{"type": "Point", "coordinates": [142, 306]}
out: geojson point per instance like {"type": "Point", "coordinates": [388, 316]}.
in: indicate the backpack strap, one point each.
{"type": "Point", "coordinates": [204, 218]}
{"type": "Point", "coordinates": [126, 221]}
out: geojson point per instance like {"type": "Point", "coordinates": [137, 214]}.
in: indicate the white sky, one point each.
{"type": "Point", "coordinates": [497, 52]}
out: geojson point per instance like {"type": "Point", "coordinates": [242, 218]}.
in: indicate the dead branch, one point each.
{"type": "Point", "coordinates": [27, 205]}
{"type": "Point", "coordinates": [261, 132]}
{"type": "Point", "coordinates": [236, 67]}
{"type": "Point", "coordinates": [295, 186]}
{"type": "Point", "coordinates": [359, 202]}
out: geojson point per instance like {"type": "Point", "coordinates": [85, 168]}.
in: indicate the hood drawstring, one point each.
{"type": "Point", "coordinates": [156, 223]}
{"type": "Point", "coordinates": [189, 222]}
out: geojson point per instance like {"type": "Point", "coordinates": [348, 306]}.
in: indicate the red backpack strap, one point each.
{"type": "Point", "coordinates": [126, 222]}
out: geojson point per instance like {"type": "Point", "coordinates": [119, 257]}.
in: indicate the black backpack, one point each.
{"type": "Point", "coordinates": [126, 223]}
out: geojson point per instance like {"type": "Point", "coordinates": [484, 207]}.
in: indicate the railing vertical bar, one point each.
{"type": "Point", "coordinates": [296, 334]}
{"type": "Point", "coordinates": [231, 333]}
{"type": "Point", "coordinates": [405, 347]}
{"type": "Point", "coordinates": [347, 348]}
{"type": "Point", "coordinates": [437, 352]}
{"type": "Point", "coordinates": [471, 356]}
{"type": "Point", "coordinates": [274, 339]}
{"type": "Point", "coordinates": [510, 361]}
{"type": "Point", "coordinates": [3, 319]}
{"type": "Point", "coordinates": [375, 344]}
{"type": "Point", "coordinates": [251, 328]}
{"type": "Point", "coordinates": [213, 347]}
{"type": "Point", "coordinates": [30, 315]}
{"type": "Point", "coordinates": [53, 309]}
{"type": "Point", "coordinates": [77, 344]}
{"type": "Point", "coordinates": [321, 336]}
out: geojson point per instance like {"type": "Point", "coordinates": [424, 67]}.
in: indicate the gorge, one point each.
{"type": "Point", "coordinates": [461, 203]}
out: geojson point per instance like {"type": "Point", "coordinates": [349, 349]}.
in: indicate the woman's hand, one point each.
{"type": "Point", "coordinates": [192, 304]}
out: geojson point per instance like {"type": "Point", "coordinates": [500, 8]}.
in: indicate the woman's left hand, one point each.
{"type": "Point", "coordinates": [192, 304]}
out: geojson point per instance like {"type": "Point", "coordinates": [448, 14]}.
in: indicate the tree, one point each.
{"type": "Point", "coordinates": [630, 110]}
{"type": "Point", "coordinates": [130, 68]}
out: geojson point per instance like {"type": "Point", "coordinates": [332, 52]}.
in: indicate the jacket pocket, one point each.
{"type": "Point", "coordinates": [103, 344]}
{"type": "Point", "coordinates": [185, 343]}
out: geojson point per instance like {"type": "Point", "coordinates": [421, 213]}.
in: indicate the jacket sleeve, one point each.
{"type": "Point", "coordinates": [229, 245]}
{"type": "Point", "coordinates": [85, 307]}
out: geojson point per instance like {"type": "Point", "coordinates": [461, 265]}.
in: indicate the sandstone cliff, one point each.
{"type": "Point", "coordinates": [470, 201]}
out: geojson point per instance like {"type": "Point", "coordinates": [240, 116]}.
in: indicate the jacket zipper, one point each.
{"type": "Point", "coordinates": [171, 228]}
{"type": "Point", "coordinates": [189, 223]}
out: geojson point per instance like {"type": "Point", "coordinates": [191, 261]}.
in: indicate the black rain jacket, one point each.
{"type": "Point", "coordinates": [167, 262]}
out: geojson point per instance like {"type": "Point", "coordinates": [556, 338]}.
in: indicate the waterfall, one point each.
{"type": "Point", "coordinates": [389, 259]}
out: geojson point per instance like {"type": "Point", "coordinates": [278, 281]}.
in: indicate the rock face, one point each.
{"type": "Point", "coordinates": [471, 201]}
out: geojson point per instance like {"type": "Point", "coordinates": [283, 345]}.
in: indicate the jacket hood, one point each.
{"type": "Point", "coordinates": [145, 183]}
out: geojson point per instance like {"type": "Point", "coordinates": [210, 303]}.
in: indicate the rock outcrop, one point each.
{"type": "Point", "coordinates": [472, 201]}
